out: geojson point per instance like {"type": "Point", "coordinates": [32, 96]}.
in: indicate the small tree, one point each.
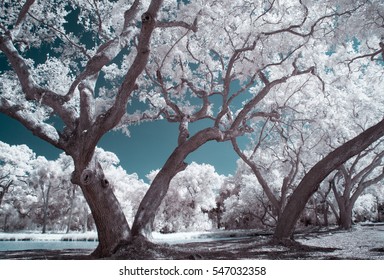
{"type": "Point", "coordinates": [245, 204]}
{"type": "Point", "coordinates": [353, 178]}
{"type": "Point", "coordinates": [16, 199]}
{"type": "Point", "coordinates": [190, 197]}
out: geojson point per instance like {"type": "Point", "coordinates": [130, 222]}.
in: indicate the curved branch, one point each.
{"type": "Point", "coordinates": [112, 117]}
{"type": "Point", "coordinates": [171, 24]}
{"type": "Point", "coordinates": [292, 29]}
{"type": "Point", "coordinates": [371, 55]}
{"type": "Point", "coordinates": [264, 184]}
{"type": "Point", "coordinates": [80, 48]}
{"type": "Point", "coordinates": [311, 181]}
{"type": "Point", "coordinates": [37, 128]}
{"type": "Point", "coordinates": [31, 90]}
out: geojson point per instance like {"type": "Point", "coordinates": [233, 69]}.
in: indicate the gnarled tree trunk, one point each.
{"type": "Point", "coordinates": [112, 226]}
{"type": "Point", "coordinates": [311, 181]}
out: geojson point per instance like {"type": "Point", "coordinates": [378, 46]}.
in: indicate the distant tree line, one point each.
{"type": "Point", "coordinates": [37, 195]}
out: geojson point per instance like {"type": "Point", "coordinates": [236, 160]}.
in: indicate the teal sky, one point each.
{"type": "Point", "coordinates": [147, 149]}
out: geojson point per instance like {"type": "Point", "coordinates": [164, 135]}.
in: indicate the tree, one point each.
{"type": "Point", "coordinates": [364, 80]}
{"type": "Point", "coordinates": [365, 208]}
{"type": "Point", "coordinates": [46, 180]}
{"type": "Point", "coordinates": [50, 180]}
{"type": "Point", "coordinates": [16, 200]}
{"type": "Point", "coordinates": [227, 189]}
{"type": "Point", "coordinates": [362, 171]}
{"type": "Point", "coordinates": [212, 86]}
{"type": "Point", "coordinates": [210, 62]}
{"type": "Point", "coordinates": [287, 142]}
{"type": "Point", "coordinates": [378, 194]}
{"type": "Point", "coordinates": [14, 163]}
{"type": "Point", "coordinates": [309, 184]}
{"type": "Point", "coordinates": [245, 204]}
{"type": "Point", "coordinates": [191, 196]}
{"type": "Point", "coordinates": [61, 82]}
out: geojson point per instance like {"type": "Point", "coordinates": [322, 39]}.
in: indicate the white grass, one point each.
{"type": "Point", "coordinates": [353, 244]}
{"type": "Point", "coordinates": [34, 236]}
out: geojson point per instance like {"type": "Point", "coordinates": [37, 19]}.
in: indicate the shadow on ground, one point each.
{"type": "Point", "coordinates": [245, 248]}
{"type": "Point", "coordinates": [254, 246]}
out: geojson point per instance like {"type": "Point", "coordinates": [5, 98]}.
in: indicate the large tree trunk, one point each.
{"type": "Point", "coordinates": [112, 226]}
{"type": "Point", "coordinates": [311, 181]}
{"type": "Point", "coordinates": [345, 218]}
{"type": "Point", "coordinates": [343, 202]}
{"type": "Point", "coordinates": [143, 223]}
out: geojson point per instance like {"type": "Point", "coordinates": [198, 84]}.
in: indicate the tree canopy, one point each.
{"type": "Point", "coordinates": [74, 71]}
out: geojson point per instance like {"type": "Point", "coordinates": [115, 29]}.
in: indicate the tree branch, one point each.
{"type": "Point", "coordinates": [371, 55]}
{"type": "Point", "coordinates": [172, 24]}
{"type": "Point", "coordinates": [292, 29]}
{"type": "Point", "coordinates": [31, 90]}
{"type": "Point", "coordinates": [264, 184]}
{"type": "Point", "coordinates": [24, 11]}
{"type": "Point", "coordinates": [112, 117]}
{"type": "Point", "coordinates": [107, 51]}
{"type": "Point", "coordinates": [37, 128]}
{"type": "Point", "coordinates": [65, 36]}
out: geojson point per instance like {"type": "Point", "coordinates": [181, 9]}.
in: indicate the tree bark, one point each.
{"type": "Point", "coordinates": [4, 190]}
{"type": "Point", "coordinates": [343, 202]}
{"type": "Point", "coordinates": [112, 226]}
{"type": "Point", "coordinates": [311, 181]}
{"type": "Point", "coordinates": [142, 225]}
{"type": "Point", "coordinates": [345, 218]}
{"type": "Point", "coordinates": [325, 214]}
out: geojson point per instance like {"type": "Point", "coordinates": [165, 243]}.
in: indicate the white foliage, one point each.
{"type": "Point", "coordinates": [318, 112]}
{"type": "Point", "coordinates": [365, 208]}
{"type": "Point", "coordinates": [245, 202]}
{"type": "Point", "coordinates": [191, 196]}
{"type": "Point", "coordinates": [15, 161]}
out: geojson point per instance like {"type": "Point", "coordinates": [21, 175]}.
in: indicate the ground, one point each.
{"type": "Point", "coordinates": [364, 242]}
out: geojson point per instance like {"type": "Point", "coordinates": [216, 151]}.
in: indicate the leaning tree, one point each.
{"type": "Point", "coordinates": [359, 82]}
{"type": "Point", "coordinates": [73, 67]}
{"type": "Point", "coordinates": [53, 55]}
{"type": "Point", "coordinates": [213, 86]}
{"type": "Point", "coordinates": [210, 78]}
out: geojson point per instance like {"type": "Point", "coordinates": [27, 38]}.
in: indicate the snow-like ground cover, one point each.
{"type": "Point", "coordinates": [172, 238]}
{"type": "Point", "coordinates": [361, 242]}
{"type": "Point", "coordinates": [34, 236]}
{"type": "Point", "coordinates": [49, 241]}
{"type": "Point", "coordinates": [202, 236]}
